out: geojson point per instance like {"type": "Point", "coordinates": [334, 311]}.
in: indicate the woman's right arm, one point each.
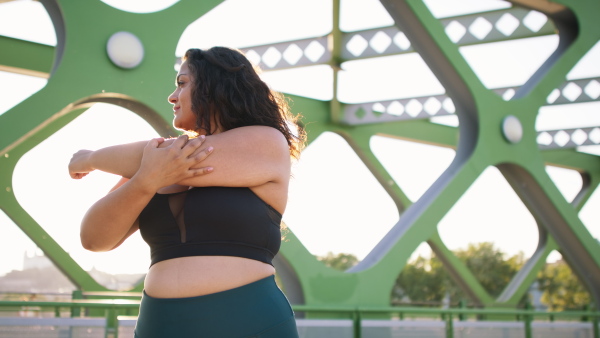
{"type": "Point", "coordinates": [112, 219]}
{"type": "Point", "coordinates": [123, 159]}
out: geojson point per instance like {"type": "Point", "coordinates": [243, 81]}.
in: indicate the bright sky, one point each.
{"type": "Point", "coordinates": [335, 203]}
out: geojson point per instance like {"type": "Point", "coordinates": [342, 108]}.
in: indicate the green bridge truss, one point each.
{"type": "Point", "coordinates": [492, 131]}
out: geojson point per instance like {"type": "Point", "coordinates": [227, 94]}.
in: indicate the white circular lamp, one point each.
{"type": "Point", "coordinates": [512, 129]}
{"type": "Point", "coordinates": [125, 50]}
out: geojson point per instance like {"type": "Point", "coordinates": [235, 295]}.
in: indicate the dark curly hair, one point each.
{"type": "Point", "coordinates": [228, 88]}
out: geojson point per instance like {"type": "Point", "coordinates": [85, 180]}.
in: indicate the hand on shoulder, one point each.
{"type": "Point", "coordinates": [245, 157]}
{"type": "Point", "coordinates": [161, 167]}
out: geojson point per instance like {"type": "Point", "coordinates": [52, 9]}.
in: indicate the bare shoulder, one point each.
{"type": "Point", "coordinates": [249, 156]}
{"type": "Point", "coordinates": [259, 132]}
{"type": "Point", "coordinates": [255, 137]}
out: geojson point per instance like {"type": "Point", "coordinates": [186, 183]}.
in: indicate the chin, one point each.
{"type": "Point", "coordinates": [178, 125]}
{"type": "Point", "coordinates": [184, 129]}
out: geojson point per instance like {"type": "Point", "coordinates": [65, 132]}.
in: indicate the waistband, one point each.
{"type": "Point", "coordinates": [245, 311]}
{"type": "Point", "coordinates": [260, 284]}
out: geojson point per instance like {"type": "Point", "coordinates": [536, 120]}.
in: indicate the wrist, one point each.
{"type": "Point", "coordinates": [91, 160]}
{"type": "Point", "coordinates": [143, 184]}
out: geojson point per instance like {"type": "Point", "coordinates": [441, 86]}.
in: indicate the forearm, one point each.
{"type": "Point", "coordinates": [123, 160]}
{"type": "Point", "coordinates": [109, 220]}
{"type": "Point", "coordinates": [113, 218]}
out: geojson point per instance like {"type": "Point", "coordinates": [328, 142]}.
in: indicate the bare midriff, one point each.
{"type": "Point", "coordinates": [202, 275]}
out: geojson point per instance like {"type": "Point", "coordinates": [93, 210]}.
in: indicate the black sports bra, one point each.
{"type": "Point", "coordinates": [211, 221]}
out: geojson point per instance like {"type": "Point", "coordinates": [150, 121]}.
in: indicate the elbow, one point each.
{"type": "Point", "coordinates": [91, 244]}
{"type": "Point", "coordinates": [91, 237]}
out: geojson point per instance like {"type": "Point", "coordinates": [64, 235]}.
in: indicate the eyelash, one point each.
{"type": "Point", "coordinates": [180, 83]}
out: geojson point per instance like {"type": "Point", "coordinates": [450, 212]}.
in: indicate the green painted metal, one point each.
{"type": "Point", "coordinates": [335, 62]}
{"type": "Point", "coordinates": [449, 326]}
{"type": "Point", "coordinates": [26, 57]}
{"type": "Point", "coordinates": [596, 326]}
{"type": "Point", "coordinates": [111, 310]}
{"type": "Point", "coordinates": [459, 272]}
{"type": "Point", "coordinates": [30, 227]}
{"type": "Point", "coordinates": [81, 58]}
{"type": "Point", "coordinates": [112, 323]}
{"type": "Point", "coordinates": [482, 144]}
{"type": "Point", "coordinates": [521, 282]}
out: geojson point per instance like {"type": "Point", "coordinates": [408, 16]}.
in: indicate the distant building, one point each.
{"type": "Point", "coordinates": [36, 262]}
{"type": "Point", "coordinates": [41, 276]}
{"type": "Point", "coordinates": [536, 297]}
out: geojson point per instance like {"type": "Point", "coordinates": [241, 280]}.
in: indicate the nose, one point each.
{"type": "Point", "coordinates": [173, 97]}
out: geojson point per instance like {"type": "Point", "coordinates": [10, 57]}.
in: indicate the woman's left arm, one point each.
{"type": "Point", "coordinates": [242, 157]}
{"type": "Point", "coordinates": [245, 157]}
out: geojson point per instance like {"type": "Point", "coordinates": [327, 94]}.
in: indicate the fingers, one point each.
{"type": "Point", "coordinates": [78, 176]}
{"type": "Point", "coordinates": [194, 144]}
{"type": "Point", "coordinates": [202, 155]}
{"type": "Point", "coordinates": [78, 166]}
{"type": "Point", "coordinates": [153, 143]}
{"type": "Point", "coordinates": [184, 153]}
{"type": "Point", "coordinates": [180, 142]}
{"type": "Point", "coordinates": [192, 147]}
{"type": "Point", "coordinates": [188, 146]}
{"type": "Point", "coordinates": [201, 171]}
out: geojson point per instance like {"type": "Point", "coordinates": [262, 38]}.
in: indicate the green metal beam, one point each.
{"type": "Point", "coordinates": [25, 57]}
{"type": "Point", "coordinates": [479, 141]}
{"type": "Point", "coordinates": [459, 272]}
{"type": "Point", "coordinates": [9, 204]}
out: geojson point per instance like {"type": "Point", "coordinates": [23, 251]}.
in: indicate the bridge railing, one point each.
{"type": "Point", "coordinates": [450, 315]}
{"type": "Point", "coordinates": [115, 309]}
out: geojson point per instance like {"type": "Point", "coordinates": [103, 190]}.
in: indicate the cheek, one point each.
{"type": "Point", "coordinates": [186, 97]}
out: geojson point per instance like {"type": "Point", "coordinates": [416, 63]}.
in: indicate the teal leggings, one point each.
{"type": "Point", "coordinates": [257, 309]}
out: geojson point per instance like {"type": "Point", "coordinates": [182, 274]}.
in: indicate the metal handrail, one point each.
{"type": "Point", "coordinates": [113, 308]}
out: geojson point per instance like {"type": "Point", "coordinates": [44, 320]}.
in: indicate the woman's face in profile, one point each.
{"type": "Point", "coordinates": [181, 99]}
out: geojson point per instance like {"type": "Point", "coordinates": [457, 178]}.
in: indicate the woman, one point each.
{"type": "Point", "coordinates": [211, 218]}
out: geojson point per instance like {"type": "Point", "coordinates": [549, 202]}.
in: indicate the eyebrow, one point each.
{"type": "Point", "coordinates": [177, 78]}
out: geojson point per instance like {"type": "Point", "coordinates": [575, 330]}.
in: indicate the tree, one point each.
{"type": "Point", "coordinates": [426, 280]}
{"type": "Point", "coordinates": [340, 261]}
{"type": "Point", "coordinates": [490, 267]}
{"type": "Point", "coordinates": [561, 289]}
{"type": "Point", "coordinates": [422, 280]}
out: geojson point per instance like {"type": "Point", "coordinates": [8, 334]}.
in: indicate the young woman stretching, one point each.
{"type": "Point", "coordinates": [208, 203]}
